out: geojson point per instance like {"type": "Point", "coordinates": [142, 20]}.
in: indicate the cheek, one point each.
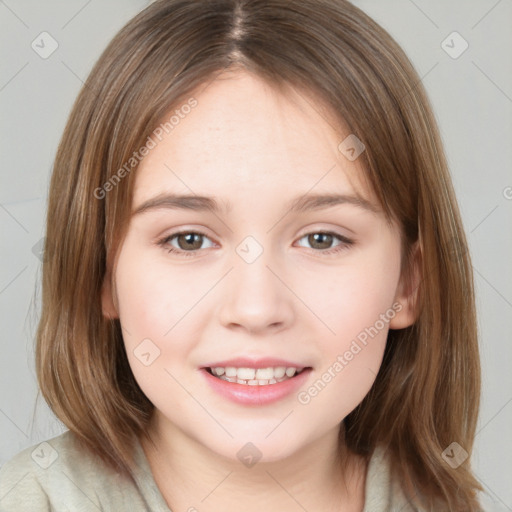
{"type": "Point", "coordinates": [160, 308]}
{"type": "Point", "coordinates": [353, 298]}
{"type": "Point", "coordinates": [153, 303]}
{"type": "Point", "coordinates": [355, 308]}
{"type": "Point", "coordinates": [153, 296]}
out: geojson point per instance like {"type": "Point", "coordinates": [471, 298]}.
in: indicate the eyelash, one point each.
{"type": "Point", "coordinates": [344, 245]}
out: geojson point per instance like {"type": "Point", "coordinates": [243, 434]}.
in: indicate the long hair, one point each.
{"type": "Point", "coordinates": [426, 394]}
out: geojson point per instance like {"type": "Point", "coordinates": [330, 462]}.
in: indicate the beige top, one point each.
{"type": "Point", "coordinates": [54, 476]}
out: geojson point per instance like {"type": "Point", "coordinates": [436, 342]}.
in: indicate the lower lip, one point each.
{"type": "Point", "coordinates": [256, 395]}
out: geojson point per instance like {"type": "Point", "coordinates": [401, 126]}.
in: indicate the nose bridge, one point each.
{"type": "Point", "coordinates": [252, 266]}
{"type": "Point", "coordinates": [256, 298]}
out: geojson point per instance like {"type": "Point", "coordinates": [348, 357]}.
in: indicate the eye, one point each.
{"type": "Point", "coordinates": [323, 239]}
{"type": "Point", "coordinates": [189, 242]}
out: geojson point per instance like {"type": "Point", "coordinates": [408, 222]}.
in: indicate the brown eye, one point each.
{"type": "Point", "coordinates": [192, 241]}
{"type": "Point", "coordinates": [188, 243]}
{"type": "Point", "coordinates": [320, 240]}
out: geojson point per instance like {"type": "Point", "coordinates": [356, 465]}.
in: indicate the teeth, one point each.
{"type": "Point", "coordinates": [279, 372]}
{"type": "Point", "coordinates": [245, 373]}
{"type": "Point", "coordinates": [230, 371]}
{"type": "Point", "coordinates": [265, 373]}
{"type": "Point", "coordinates": [255, 377]}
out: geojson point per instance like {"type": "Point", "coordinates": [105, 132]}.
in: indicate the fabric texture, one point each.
{"type": "Point", "coordinates": [56, 476]}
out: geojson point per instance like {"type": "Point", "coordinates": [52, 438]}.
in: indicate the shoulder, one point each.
{"type": "Point", "coordinates": [383, 491]}
{"type": "Point", "coordinates": [58, 475]}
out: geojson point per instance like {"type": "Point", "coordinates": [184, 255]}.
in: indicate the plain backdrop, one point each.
{"type": "Point", "coordinates": [471, 92]}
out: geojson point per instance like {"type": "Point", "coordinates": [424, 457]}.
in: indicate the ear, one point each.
{"type": "Point", "coordinates": [407, 292]}
{"type": "Point", "coordinates": [108, 299]}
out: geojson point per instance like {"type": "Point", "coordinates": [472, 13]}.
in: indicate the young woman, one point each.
{"type": "Point", "coordinates": [255, 288]}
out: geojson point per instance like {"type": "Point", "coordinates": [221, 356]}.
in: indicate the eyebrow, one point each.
{"type": "Point", "coordinates": [307, 202]}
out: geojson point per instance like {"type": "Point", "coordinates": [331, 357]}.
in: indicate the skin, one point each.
{"type": "Point", "coordinates": [247, 144]}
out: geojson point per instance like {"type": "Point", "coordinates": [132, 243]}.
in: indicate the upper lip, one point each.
{"type": "Point", "coordinates": [246, 362]}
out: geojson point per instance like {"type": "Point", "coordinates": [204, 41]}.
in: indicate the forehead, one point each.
{"type": "Point", "coordinates": [244, 140]}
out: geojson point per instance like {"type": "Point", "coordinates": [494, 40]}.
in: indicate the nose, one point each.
{"type": "Point", "coordinates": [256, 298]}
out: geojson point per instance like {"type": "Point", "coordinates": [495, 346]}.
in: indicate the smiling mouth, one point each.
{"type": "Point", "coordinates": [255, 376]}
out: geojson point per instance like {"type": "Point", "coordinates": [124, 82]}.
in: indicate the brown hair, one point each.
{"type": "Point", "coordinates": [426, 394]}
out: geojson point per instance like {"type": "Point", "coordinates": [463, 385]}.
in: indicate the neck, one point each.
{"type": "Point", "coordinates": [322, 476]}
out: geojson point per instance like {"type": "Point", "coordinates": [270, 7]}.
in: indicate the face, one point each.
{"type": "Point", "coordinates": [255, 283]}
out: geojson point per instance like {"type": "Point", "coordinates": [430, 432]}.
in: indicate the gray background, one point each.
{"type": "Point", "coordinates": [472, 99]}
